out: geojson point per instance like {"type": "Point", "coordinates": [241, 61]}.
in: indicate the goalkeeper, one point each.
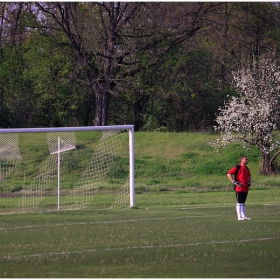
{"type": "Point", "coordinates": [241, 178]}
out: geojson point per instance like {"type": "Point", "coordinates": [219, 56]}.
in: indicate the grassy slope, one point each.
{"type": "Point", "coordinates": [163, 162]}
{"type": "Point", "coordinates": [186, 162]}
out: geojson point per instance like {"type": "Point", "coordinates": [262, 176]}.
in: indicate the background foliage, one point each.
{"type": "Point", "coordinates": [176, 84]}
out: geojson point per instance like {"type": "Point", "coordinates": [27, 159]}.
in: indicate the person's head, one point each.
{"type": "Point", "coordinates": [243, 160]}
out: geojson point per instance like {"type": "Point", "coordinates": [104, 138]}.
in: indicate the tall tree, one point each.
{"type": "Point", "coordinates": [244, 33]}
{"type": "Point", "coordinates": [40, 83]}
{"type": "Point", "coordinates": [111, 38]}
{"type": "Point", "coordinates": [14, 91]}
{"type": "Point", "coordinates": [252, 117]}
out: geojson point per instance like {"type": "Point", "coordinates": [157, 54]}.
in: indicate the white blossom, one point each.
{"type": "Point", "coordinates": [253, 117]}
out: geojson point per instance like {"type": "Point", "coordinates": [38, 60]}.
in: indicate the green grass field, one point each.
{"type": "Point", "coordinates": [169, 235]}
{"type": "Point", "coordinates": [185, 224]}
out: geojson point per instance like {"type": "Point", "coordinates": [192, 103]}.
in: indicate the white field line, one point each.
{"type": "Point", "coordinates": [223, 206]}
{"type": "Point", "coordinates": [109, 222]}
{"type": "Point", "coordinates": [201, 207]}
{"type": "Point", "coordinates": [67, 253]}
{"type": "Point", "coordinates": [271, 204]}
{"type": "Point", "coordinates": [136, 220]}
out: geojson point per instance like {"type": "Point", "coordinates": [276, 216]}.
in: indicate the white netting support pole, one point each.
{"type": "Point", "coordinates": [60, 142]}
{"type": "Point", "coordinates": [58, 173]}
{"type": "Point", "coordinates": [131, 167]}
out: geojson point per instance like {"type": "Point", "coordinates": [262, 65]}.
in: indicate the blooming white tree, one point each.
{"type": "Point", "coordinates": [253, 117]}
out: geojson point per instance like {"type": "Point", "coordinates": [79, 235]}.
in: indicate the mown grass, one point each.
{"type": "Point", "coordinates": [165, 237]}
{"type": "Point", "coordinates": [184, 226]}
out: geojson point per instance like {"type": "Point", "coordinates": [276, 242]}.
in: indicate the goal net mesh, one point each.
{"type": "Point", "coordinates": [64, 170]}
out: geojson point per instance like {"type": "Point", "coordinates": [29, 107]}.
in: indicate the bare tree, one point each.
{"type": "Point", "coordinates": [9, 24]}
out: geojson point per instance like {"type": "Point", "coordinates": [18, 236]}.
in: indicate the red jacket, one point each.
{"type": "Point", "coordinates": [243, 177]}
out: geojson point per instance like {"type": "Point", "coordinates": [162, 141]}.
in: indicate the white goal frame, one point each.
{"type": "Point", "coordinates": [129, 128]}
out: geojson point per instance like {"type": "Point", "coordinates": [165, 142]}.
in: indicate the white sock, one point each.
{"type": "Point", "coordinates": [243, 210]}
{"type": "Point", "coordinates": [238, 210]}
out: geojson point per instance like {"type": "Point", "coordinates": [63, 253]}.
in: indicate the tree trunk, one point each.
{"type": "Point", "coordinates": [102, 103]}
{"type": "Point", "coordinates": [266, 168]}
{"type": "Point", "coordinates": [273, 164]}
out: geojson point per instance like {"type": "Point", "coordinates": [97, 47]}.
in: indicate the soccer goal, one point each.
{"type": "Point", "coordinates": [66, 168]}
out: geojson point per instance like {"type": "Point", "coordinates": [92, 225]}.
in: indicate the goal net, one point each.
{"type": "Point", "coordinates": [45, 169]}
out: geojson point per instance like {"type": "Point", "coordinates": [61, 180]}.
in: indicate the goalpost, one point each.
{"type": "Point", "coordinates": [66, 168]}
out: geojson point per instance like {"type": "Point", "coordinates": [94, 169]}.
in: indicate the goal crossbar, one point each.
{"type": "Point", "coordinates": [65, 129]}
